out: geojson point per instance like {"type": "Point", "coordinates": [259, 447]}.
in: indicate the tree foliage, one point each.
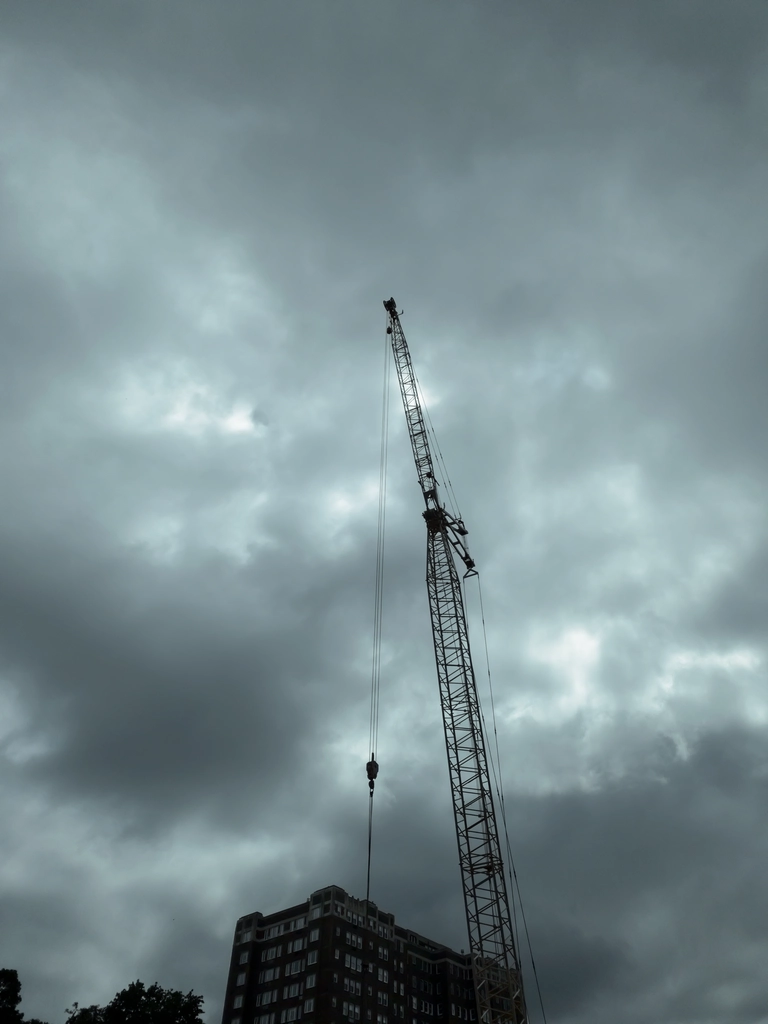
{"type": "Point", "coordinates": [139, 1005]}
{"type": "Point", "coordinates": [134, 1005]}
{"type": "Point", "coordinates": [10, 997]}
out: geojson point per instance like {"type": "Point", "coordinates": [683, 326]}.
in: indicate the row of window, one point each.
{"type": "Point", "coordinates": [459, 990]}
{"type": "Point", "coordinates": [275, 951]}
{"type": "Point", "coordinates": [357, 942]}
{"type": "Point", "coordinates": [360, 921]}
{"type": "Point", "coordinates": [460, 972]}
{"type": "Point", "coordinates": [294, 946]}
{"type": "Point", "coordinates": [285, 926]}
{"type": "Point", "coordinates": [351, 1011]}
{"type": "Point", "coordinates": [462, 1012]}
{"type": "Point", "coordinates": [290, 1014]}
{"type": "Point", "coordinates": [271, 995]}
{"type": "Point", "coordinates": [280, 929]}
{"type": "Point", "coordinates": [273, 973]}
{"type": "Point", "coordinates": [422, 1006]}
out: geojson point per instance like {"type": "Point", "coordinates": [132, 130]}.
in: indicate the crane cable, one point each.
{"type": "Point", "coordinates": [372, 768]}
{"type": "Point", "coordinates": [500, 794]}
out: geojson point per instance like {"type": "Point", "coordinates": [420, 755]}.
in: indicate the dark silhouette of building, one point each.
{"type": "Point", "coordinates": [335, 958]}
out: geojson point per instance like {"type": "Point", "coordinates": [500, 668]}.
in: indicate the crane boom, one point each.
{"type": "Point", "coordinates": [495, 965]}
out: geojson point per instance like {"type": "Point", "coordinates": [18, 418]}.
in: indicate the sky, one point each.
{"type": "Point", "coordinates": [203, 206]}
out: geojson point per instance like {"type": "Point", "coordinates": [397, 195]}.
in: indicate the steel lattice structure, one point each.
{"type": "Point", "coordinates": [495, 964]}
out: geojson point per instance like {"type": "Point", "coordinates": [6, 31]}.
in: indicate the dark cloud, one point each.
{"type": "Point", "coordinates": [202, 211]}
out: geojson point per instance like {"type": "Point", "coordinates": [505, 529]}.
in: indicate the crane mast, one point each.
{"type": "Point", "coordinates": [495, 965]}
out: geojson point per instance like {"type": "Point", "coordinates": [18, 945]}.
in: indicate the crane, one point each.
{"type": "Point", "coordinates": [495, 965]}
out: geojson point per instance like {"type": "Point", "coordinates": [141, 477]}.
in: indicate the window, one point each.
{"type": "Point", "coordinates": [240, 978]}
{"type": "Point", "coordinates": [383, 999]}
{"type": "Point", "coordinates": [294, 968]}
{"type": "Point", "coordinates": [312, 957]}
{"type": "Point", "coordinates": [238, 1002]}
{"type": "Point", "coordinates": [381, 1018]}
{"type": "Point", "coordinates": [276, 929]}
{"type": "Point", "coordinates": [296, 945]}
{"type": "Point", "coordinates": [246, 936]}
{"type": "Point", "coordinates": [353, 963]}
{"type": "Point", "coordinates": [350, 1010]}
{"type": "Point", "coordinates": [272, 952]}
{"type": "Point", "coordinates": [265, 1018]}
{"type": "Point", "coordinates": [383, 975]}
{"type": "Point", "coordinates": [310, 982]}
{"type": "Point", "coordinates": [353, 987]}
{"type": "Point", "coordinates": [265, 998]}
{"type": "Point", "coordinates": [270, 974]}
{"type": "Point", "coordinates": [309, 1005]}
{"type": "Point", "coordinates": [383, 952]}
{"type": "Point", "coordinates": [292, 1014]}
{"type": "Point", "coordinates": [314, 935]}
{"type": "Point", "coordinates": [244, 957]}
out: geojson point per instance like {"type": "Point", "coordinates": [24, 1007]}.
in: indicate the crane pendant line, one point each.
{"type": "Point", "coordinates": [495, 964]}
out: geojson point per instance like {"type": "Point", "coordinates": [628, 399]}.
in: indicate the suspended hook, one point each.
{"type": "Point", "coordinates": [372, 770]}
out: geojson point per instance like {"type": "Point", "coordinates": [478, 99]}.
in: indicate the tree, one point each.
{"type": "Point", "coordinates": [10, 997]}
{"type": "Point", "coordinates": [139, 1005]}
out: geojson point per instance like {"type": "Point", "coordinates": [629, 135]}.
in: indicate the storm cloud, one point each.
{"type": "Point", "coordinates": [202, 208]}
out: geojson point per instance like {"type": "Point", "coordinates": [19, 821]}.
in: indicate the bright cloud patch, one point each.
{"type": "Point", "coordinates": [574, 656]}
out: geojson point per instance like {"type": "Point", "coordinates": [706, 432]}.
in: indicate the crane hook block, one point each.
{"type": "Point", "coordinates": [372, 770]}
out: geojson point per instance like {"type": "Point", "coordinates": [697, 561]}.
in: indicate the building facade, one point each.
{"type": "Point", "coordinates": [335, 959]}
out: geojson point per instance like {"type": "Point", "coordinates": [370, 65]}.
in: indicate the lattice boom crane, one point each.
{"type": "Point", "coordinates": [495, 965]}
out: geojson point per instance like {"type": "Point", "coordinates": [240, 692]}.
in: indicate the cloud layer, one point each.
{"type": "Point", "coordinates": [203, 207]}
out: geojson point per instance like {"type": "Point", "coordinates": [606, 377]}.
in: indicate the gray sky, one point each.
{"type": "Point", "coordinates": [203, 206]}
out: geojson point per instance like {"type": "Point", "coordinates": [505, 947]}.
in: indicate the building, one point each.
{"type": "Point", "coordinates": [335, 958]}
